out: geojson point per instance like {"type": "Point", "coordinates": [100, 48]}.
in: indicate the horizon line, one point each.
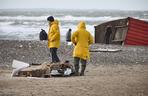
{"type": "Point", "coordinates": [71, 9]}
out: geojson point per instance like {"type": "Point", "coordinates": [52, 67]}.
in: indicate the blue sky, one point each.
{"type": "Point", "coordinates": [77, 4]}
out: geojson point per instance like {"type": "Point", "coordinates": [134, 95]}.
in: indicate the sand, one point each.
{"type": "Point", "coordinates": [103, 80]}
{"type": "Point", "coordinates": [123, 73]}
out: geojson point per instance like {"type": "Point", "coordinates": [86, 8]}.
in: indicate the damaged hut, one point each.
{"type": "Point", "coordinates": [127, 31]}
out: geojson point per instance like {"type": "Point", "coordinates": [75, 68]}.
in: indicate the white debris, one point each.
{"type": "Point", "coordinates": [18, 65]}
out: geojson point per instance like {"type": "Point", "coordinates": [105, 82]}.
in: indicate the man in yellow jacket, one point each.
{"type": "Point", "coordinates": [53, 38]}
{"type": "Point", "coordinates": [81, 39]}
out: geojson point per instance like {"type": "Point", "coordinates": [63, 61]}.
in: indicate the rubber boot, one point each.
{"type": "Point", "coordinates": [76, 65]}
{"type": "Point", "coordinates": [76, 70]}
{"type": "Point", "coordinates": [83, 67]}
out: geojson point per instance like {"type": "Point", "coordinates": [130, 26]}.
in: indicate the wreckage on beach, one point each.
{"type": "Point", "coordinates": [22, 69]}
{"type": "Point", "coordinates": [127, 31]}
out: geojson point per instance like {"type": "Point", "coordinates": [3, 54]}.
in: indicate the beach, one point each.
{"type": "Point", "coordinates": [123, 73]}
{"type": "Point", "coordinates": [102, 80]}
{"type": "Point", "coordinates": [108, 73]}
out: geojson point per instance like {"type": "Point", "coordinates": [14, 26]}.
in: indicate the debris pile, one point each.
{"type": "Point", "coordinates": [45, 70]}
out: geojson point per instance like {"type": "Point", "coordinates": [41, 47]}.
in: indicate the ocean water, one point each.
{"type": "Point", "coordinates": [25, 24]}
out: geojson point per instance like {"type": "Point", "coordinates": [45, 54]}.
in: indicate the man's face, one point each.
{"type": "Point", "coordinates": [49, 22]}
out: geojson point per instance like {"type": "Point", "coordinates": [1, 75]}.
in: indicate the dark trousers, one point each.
{"type": "Point", "coordinates": [76, 64]}
{"type": "Point", "coordinates": [54, 56]}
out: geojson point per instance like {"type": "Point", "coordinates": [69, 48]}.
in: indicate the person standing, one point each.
{"type": "Point", "coordinates": [53, 38]}
{"type": "Point", "coordinates": [81, 39]}
{"type": "Point", "coordinates": [108, 34]}
{"type": "Point", "coordinates": [68, 35]}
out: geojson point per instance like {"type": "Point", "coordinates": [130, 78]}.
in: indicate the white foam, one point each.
{"type": "Point", "coordinates": [28, 27]}
{"type": "Point", "coordinates": [6, 23]}
{"type": "Point", "coordinates": [64, 18]}
{"type": "Point", "coordinates": [34, 18]}
{"type": "Point", "coordinates": [73, 18]}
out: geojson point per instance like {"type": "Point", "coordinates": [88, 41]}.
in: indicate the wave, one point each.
{"type": "Point", "coordinates": [24, 32]}
{"type": "Point", "coordinates": [83, 18]}
{"type": "Point", "coordinates": [28, 27]}
{"type": "Point", "coordinates": [63, 18]}
{"type": "Point", "coordinates": [29, 18]}
{"type": "Point", "coordinates": [6, 23]}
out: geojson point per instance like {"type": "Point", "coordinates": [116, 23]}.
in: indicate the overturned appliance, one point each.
{"type": "Point", "coordinates": [126, 31]}
{"type": "Point", "coordinates": [22, 69]}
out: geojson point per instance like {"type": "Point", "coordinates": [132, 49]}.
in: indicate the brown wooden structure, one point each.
{"type": "Point", "coordinates": [118, 27]}
{"type": "Point", "coordinates": [128, 31]}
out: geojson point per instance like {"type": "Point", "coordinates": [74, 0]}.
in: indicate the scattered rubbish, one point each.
{"type": "Point", "coordinates": [43, 35]}
{"type": "Point", "coordinates": [69, 43]}
{"type": "Point", "coordinates": [18, 65]}
{"type": "Point", "coordinates": [67, 72]}
{"type": "Point", "coordinates": [21, 46]}
{"type": "Point", "coordinates": [45, 70]}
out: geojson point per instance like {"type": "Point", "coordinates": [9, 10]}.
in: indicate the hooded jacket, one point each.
{"type": "Point", "coordinates": [81, 39]}
{"type": "Point", "coordinates": [54, 35]}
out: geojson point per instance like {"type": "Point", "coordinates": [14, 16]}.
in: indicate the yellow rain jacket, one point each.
{"type": "Point", "coordinates": [54, 35]}
{"type": "Point", "coordinates": [81, 39]}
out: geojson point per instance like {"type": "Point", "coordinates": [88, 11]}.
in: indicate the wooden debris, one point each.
{"type": "Point", "coordinates": [105, 50]}
{"type": "Point", "coordinates": [34, 71]}
{"type": "Point", "coordinates": [44, 70]}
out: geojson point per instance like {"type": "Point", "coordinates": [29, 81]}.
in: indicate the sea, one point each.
{"type": "Point", "coordinates": [26, 24]}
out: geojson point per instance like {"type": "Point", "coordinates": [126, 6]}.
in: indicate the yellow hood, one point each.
{"type": "Point", "coordinates": [81, 25]}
